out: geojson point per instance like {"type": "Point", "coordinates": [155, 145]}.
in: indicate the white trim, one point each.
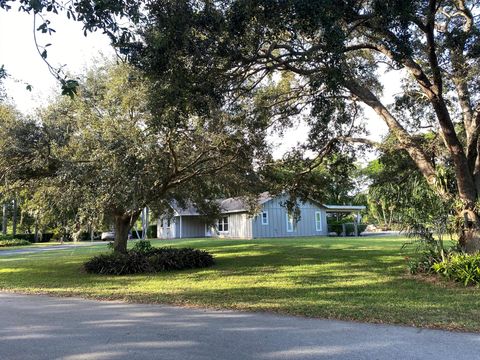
{"type": "Point", "coordinates": [223, 225]}
{"type": "Point", "coordinates": [318, 222]}
{"type": "Point", "coordinates": [264, 218]}
{"type": "Point", "coordinates": [290, 225]}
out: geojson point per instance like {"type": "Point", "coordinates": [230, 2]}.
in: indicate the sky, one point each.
{"type": "Point", "coordinates": [25, 66]}
{"type": "Point", "coordinates": [72, 49]}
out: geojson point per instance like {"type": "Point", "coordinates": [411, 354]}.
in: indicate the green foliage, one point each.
{"type": "Point", "coordinates": [400, 197]}
{"type": "Point", "coordinates": [142, 246]}
{"type": "Point", "coordinates": [14, 242]}
{"type": "Point", "coordinates": [152, 231]}
{"type": "Point", "coordinates": [143, 258]}
{"type": "Point", "coordinates": [330, 180]}
{"type": "Point", "coordinates": [337, 226]}
{"type": "Point", "coordinates": [76, 159]}
{"type": "Point", "coordinates": [422, 262]}
{"type": "Point", "coordinates": [463, 268]}
{"type": "Point", "coordinates": [27, 237]}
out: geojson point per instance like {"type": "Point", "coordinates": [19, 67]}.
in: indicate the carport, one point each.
{"type": "Point", "coordinates": [356, 209]}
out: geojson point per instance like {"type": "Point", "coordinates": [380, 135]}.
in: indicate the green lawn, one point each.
{"type": "Point", "coordinates": [33, 245]}
{"type": "Point", "coordinates": [362, 279]}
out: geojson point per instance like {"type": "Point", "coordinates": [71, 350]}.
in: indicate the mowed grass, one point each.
{"type": "Point", "coordinates": [361, 279]}
{"type": "Point", "coordinates": [33, 245]}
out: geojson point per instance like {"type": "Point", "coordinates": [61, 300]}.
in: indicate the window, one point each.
{"type": "Point", "coordinates": [264, 218]}
{"type": "Point", "coordinates": [222, 224]}
{"type": "Point", "coordinates": [290, 224]}
{"type": "Point", "coordinates": [318, 221]}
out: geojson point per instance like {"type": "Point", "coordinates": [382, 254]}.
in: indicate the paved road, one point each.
{"type": "Point", "coordinates": [38, 327]}
{"type": "Point", "coordinates": [39, 249]}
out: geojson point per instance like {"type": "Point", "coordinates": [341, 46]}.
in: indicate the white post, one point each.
{"type": "Point", "coordinates": [147, 221]}
{"type": "Point", "coordinates": [143, 225]}
{"type": "Point", "coordinates": [180, 226]}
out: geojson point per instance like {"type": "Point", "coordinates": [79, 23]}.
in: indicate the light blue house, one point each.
{"type": "Point", "coordinates": [236, 222]}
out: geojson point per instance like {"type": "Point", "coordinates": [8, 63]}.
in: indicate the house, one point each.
{"type": "Point", "coordinates": [235, 222]}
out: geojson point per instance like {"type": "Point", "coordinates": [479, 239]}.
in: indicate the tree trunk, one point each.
{"type": "Point", "coordinates": [123, 224]}
{"type": "Point", "coordinates": [14, 220]}
{"type": "Point", "coordinates": [5, 220]}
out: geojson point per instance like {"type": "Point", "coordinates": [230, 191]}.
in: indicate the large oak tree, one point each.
{"type": "Point", "coordinates": [333, 52]}
{"type": "Point", "coordinates": [336, 51]}
{"type": "Point", "coordinates": [106, 154]}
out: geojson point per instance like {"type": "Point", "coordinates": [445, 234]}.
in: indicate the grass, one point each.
{"type": "Point", "coordinates": [361, 279]}
{"type": "Point", "coordinates": [32, 245]}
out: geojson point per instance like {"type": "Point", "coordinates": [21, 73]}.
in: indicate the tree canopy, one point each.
{"type": "Point", "coordinates": [335, 52]}
{"type": "Point", "coordinates": [275, 60]}
{"type": "Point", "coordinates": [107, 154]}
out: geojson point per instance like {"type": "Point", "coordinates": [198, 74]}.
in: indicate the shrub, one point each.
{"type": "Point", "coordinates": [85, 236]}
{"type": "Point", "coordinates": [27, 237]}
{"type": "Point", "coordinates": [428, 251]}
{"type": "Point", "coordinates": [46, 237]}
{"type": "Point", "coordinates": [462, 268]}
{"type": "Point", "coordinates": [118, 264]}
{"type": "Point", "coordinates": [422, 263]}
{"type": "Point", "coordinates": [144, 258]}
{"type": "Point", "coordinates": [14, 242]}
{"type": "Point", "coordinates": [142, 246]}
{"type": "Point", "coordinates": [349, 228]}
{"type": "Point", "coordinates": [152, 232]}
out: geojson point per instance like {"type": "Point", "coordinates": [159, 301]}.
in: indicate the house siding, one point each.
{"type": "Point", "coordinates": [163, 232]}
{"type": "Point", "coordinates": [239, 227]}
{"type": "Point", "coordinates": [277, 220]}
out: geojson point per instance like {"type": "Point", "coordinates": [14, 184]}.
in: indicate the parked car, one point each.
{"type": "Point", "coordinates": [108, 235]}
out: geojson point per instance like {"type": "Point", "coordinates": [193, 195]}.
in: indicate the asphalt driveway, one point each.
{"type": "Point", "coordinates": [40, 327]}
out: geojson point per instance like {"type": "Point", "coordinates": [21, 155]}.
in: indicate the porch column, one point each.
{"type": "Point", "coordinates": [180, 226]}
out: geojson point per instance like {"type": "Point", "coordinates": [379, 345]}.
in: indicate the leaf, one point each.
{"type": "Point", "coordinates": [69, 88]}
{"type": "Point", "coordinates": [29, 87]}
{"type": "Point", "coordinates": [44, 54]}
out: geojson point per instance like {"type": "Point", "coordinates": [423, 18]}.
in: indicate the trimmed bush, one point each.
{"type": "Point", "coordinates": [144, 258]}
{"type": "Point", "coordinates": [14, 242]}
{"type": "Point", "coordinates": [27, 237]}
{"type": "Point", "coordinates": [85, 236]}
{"type": "Point", "coordinates": [462, 268]}
{"type": "Point", "coordinates": [349, 228]}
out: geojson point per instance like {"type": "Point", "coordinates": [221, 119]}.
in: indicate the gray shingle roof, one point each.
{"type": "Point", "coordinates": [230, 205]}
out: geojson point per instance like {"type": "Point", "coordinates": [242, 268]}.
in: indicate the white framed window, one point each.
{"type": "Point", "coordinates": [265, 218]}
{"type": "Point", "coordinates": [290, 223]}
{"type": "Point", "coordinates": [222, 224]}
{"type": "Point", "coordinates": [318, 220]}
